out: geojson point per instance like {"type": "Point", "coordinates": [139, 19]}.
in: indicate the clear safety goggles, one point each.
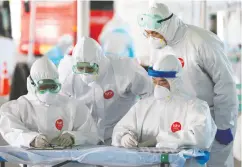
{"type": "Point", "coordinates": [46, 85]}
{"type": "Point", "coordinates": [151, 22]}
{"type": "Point", "coordinates": [85, 68]}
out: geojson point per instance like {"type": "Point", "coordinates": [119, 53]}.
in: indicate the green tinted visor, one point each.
{"type": "Point", "coordinates": [48, 85]}
{"type": "Point", "coordinates": [85, 68]}
{"type": "Point", "coordinates": [151, 22]}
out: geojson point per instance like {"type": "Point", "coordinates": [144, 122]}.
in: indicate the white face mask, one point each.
{"type": "Point", "coordinates": [161, 92]}
{"type": "Point", "coordinates": [88, 78]}
{"type": "Point", "coordinates": [157, 43]}
{"type": "Point", "coordinates": [48, 98]}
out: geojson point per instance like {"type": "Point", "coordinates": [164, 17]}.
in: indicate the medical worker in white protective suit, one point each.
{"type": "Point", "coordinates": [44, 118]}
{"type": "Point", "coordinates": [109, 85]}
{"type": "Point", "coordinates": [169, 118]}
{"type": "Point", "coordinates": [116, 39]}
{"type": "Point", "coordinates": [207, 72]}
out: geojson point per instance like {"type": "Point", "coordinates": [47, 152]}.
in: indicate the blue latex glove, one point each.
{"type": "Point", "coordinates": [55, 55]}
{"type": "Point", "coordinates": [224, 136]}
{"type": "Point", "coordinates": [203, 159]}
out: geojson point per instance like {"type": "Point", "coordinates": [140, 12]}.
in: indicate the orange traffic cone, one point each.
{"type": "Point", "coordinates": [4, 81]}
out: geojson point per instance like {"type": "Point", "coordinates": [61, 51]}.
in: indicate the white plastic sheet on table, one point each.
{"type": "Point", "coordinates": [94, 155]}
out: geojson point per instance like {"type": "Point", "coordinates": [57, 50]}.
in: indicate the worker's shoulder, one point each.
{"type": "Point", "coordinates": [13, 104]}
{"type": "Point", "coordinates": [65, 68]}
{"type": "Point", "coordinates": [123, 62]}
{"type": "Point", "coordinates": [65, 63]}
{"type": "Point", "coordinates": [113, 58]}
{"type": "Point", "coordinates": [197, 102]}
{"type": "Point", "coordinates": [8, 104]}
{"type": "Point", "coordinates": [6, 41]}
{"type": "Point", "coordinates": [120, 64]}
{"type": "Point", "coordinates": [201, 36]}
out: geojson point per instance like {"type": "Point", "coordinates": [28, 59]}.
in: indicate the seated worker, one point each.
{"type": "Point", "coordinates": [44, 118]}
{"type": "Point", "coordinates": [108, 84]}
{"type": "Point", "coordinates": [169, 117]}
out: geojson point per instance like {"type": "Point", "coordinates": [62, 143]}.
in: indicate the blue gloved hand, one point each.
{"type": "Point", "coordinates": [224, 136]}
{"type": "Point", "coordinates": [203, 159]}
{"type": "Point", "coordinates": [55, 55]}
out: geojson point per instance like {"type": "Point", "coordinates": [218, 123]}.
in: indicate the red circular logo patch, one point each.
{"type": "Point", "coordinates": [176, 126]}
{"type": "Point", "coordinates": [59, 124]}
{"type": "Point", "coordinates": [108, 94]}
{"type": "Point", "coordinates": [182, 61]}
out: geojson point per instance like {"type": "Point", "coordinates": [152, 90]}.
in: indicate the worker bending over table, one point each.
{"type": "Point", "coordinates": [43, 117]}
{"type": "Point", "coordinates": [169, 118]}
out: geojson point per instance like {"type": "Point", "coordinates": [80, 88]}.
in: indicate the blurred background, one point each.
{"type": "Point", "coordinates": [30, 29]}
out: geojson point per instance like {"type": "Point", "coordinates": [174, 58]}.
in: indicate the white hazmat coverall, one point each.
{"type": "Point", "coordinates": [170, 117]}
{"type": "Point", "coordinates": [24, 119]}
{"type": "Point", "coordinates": [115, 38]}
{"type": "Point", "coordinates": [207, 75]}
{"type": "Point", "coordinates": [112, 92]}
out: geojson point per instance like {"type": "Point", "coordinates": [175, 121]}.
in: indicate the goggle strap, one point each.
{"type": "Point", "coordinates": [160, 21]}
{"type": "Point", "coordinates": [32, 81]}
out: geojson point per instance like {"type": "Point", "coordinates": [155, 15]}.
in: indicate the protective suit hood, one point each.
{"type": "Point", "coordinates": [169, 63]}
{"type": "Point", "coordinates": [41, 69]}
{"type": "Point", "coordinates": [173, 29]}
{"type": "Point", "coordinates": [88, 50]}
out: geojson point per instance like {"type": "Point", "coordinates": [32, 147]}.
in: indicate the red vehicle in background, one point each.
{"type": "Point", "coordinates": [56, 18]}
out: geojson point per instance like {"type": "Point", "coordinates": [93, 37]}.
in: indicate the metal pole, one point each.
{"type": "Point", "coordinates": [226, 33]}
{"type": "Point", "coordinates": [83, 17]}
{"type": "Point", "coordinates": [31, 32]}
{"type": "Point", "coordinates": [193, 13]}
{"type": "Point", "coordinates": [79, 18]}
{"type": "Point", "coordinates": [203, 14]}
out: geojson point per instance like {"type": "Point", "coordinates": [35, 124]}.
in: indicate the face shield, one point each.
{"type": "Point", "coordinates": [152, 22]}
{"type": "Point", "coordinates": [46, 85]}
{"type": "Point", "coordinates": [85, 68]}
